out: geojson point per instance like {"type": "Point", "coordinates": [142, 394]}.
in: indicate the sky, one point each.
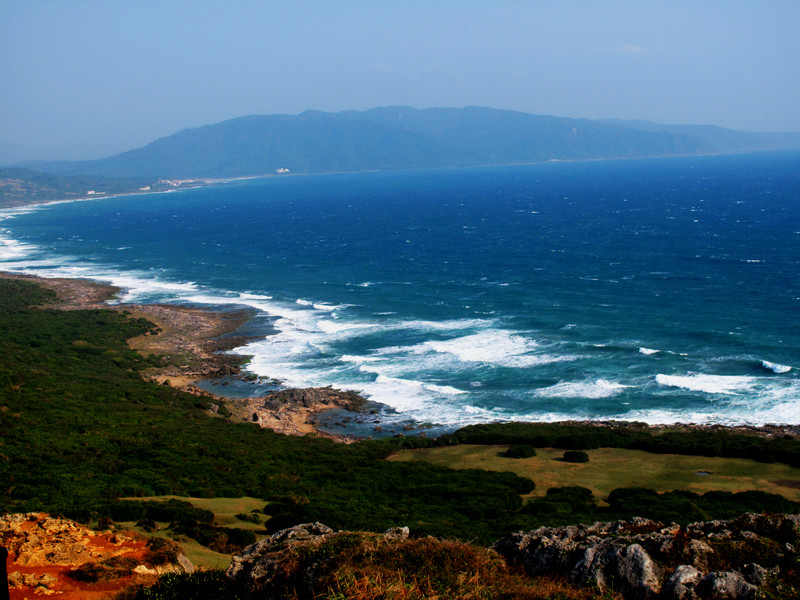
{"type": "Point", "coordinates": [84, 79]}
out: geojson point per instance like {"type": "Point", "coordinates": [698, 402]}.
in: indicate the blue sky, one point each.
{"type": "Point", "coordinates": [87, 79]}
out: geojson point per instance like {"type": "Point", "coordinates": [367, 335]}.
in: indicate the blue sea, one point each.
{"type": "Point", "coordinates": [660, 290]}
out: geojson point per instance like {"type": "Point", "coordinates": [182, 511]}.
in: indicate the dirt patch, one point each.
{"type": "Point", "coordinates": [46, 552]}
{"type": "Point", "coordinates": [790, 483]}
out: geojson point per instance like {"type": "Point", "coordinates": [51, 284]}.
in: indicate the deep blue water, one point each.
{"type": "Point", "coordinates": [660, 290]}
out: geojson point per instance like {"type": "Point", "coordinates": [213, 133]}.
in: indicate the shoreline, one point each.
{"type": "Point", "coordinates": [210, 181]}
{"type": "Point", "coordinates": [195, 340]}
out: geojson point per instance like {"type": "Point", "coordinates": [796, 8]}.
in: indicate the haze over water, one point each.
{"type": "Point", "coordinates": [658, 290]}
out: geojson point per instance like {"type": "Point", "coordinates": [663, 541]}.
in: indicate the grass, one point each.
{"type": "Point", "coordinates": [610, 468]}
{"type": "Point", "coordinates": [224, 509]}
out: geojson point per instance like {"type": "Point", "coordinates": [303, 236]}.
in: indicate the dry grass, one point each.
{"type": "Point", "coordinates": [367, 567]}
{"type": "Point", "coordinates": [610, 468]}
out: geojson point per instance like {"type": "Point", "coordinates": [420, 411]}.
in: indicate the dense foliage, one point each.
{"type": "Point", "coordinates": [82, 429]}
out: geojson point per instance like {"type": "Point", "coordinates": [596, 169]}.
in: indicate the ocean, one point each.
{"type": "Point", "coordinates": [659, 290]}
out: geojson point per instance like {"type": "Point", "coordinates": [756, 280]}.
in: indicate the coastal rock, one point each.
{"type": "Point", "coordinates": [258, 563]}
{"type": "Point", "coordinates": [727, 585]}
{"type": "Point", "coordinates": [627, 556]}
{"type": "Point", "coordinates": [681, 584]}
{"type": "Point", "coordinates": [627, 569]}
{"type": "Point", "coordinates": [292, 411]}
{"type": "Point", "coordinates": [311, 398]}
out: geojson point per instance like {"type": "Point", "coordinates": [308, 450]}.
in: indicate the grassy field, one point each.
{"type": "Point", "coordinates": [610, 468]}
{"type": "Point", "coordinates": [225, 511]}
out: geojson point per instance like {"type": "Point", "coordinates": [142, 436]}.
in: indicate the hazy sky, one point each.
{"type": "Point", "coordinates": [87, 79]}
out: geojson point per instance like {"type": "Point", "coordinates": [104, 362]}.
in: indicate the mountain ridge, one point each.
{"type": "Point", "coordinates": [401, 137]}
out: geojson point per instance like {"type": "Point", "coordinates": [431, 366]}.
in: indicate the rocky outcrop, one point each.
{"type": "Point", "coordinates": [257, 563]}
{"type": "Point", "coordinates": [292, 411]}
{"type": "Point", "coordinates": [312, 398]}
{"type": "Point", "coordinates": [56, 556]}
{"type": "Point", "coordinates": [260, 563]}
{"type": "Point", "coordinates": [643, 559]}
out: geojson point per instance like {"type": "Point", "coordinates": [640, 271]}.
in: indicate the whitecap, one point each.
{"type": "Point", "coordinates": [710, 384]}
{"type": "Point", "coordinates": [601, 388]}
{"type": "Point", "coordinates": [775, 367]}
{"type": "Point", "coordinates": [648, 351]}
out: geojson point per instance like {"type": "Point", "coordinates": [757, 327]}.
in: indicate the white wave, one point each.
{"type": "Point", "coordinates": [486, 346]}
{"type": "Point", "coordinates": [333, 327]}
{"type": "Point", "coordinates": [775, 367]}
{"type": "Point", "coordinates": [600, 388]}
{"type": "Point", "coordinates": [709, 384]}
{"type": "Point", "coordinates": [359, 359]}
{"type": "Point", "coordinates": [648, 351]}
{"type": "Point", "coordinates": [14, 250]}
{"type": "Point", "coordinates": [497, 347]}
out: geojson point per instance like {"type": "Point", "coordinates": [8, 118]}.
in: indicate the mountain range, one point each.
{"type": "Point", "coordinates": [406, 138]}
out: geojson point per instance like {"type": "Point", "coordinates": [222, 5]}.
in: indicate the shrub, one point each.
{"type": "Point", "coordinates": [575, 456]}
{"type": "Point", "coordinates": [520, 451]}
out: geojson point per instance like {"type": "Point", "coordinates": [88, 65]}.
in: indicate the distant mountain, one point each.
{"type": "Point", "coordinates": [406, 138]}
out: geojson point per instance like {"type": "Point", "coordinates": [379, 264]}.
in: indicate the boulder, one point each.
{"type": "Point", "coordinates": [624, 556]}
{"type": "Point", "coordinates": [725, 585]}
{"type": "Point", "coordinates": [258, 563]}
{"type": "Point", "coordinates": [626, 569]}
{"type": "Point", "coordinates": [680, 585]}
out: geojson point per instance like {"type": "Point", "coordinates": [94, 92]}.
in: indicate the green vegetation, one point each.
{"type": "Point", "coordinates": [81, 430]}
{"type": "Point", "coordinates": [520, 451]}
{"type": "Point", "coordinates": [575, 456]}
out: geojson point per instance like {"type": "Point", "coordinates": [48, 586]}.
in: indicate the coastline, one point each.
{"type": "Point", "coordinates": [196, 340]}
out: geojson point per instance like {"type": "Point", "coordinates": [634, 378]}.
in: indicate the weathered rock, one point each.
{"type": "Point", "coordinates": [627, 569]}
{"type": "Point", "coordinates": [46, 553]}
{"type": "Point", "coordinates": [185, 563]}
{"type": "Point", "coordinates": [257, 563]}
{"type": "Point", "coordinates": [725, 585]}
{"type": "Point", "coordinates": [625, 555]}
{"type": "Point", "coordinates": [397, 534]}
{"type": "Point", "coordinates": [681, 584]}
{"type": "Point", "coordinates": [37, 539]}
{"type": "Point", "coordinates": [312, 397]}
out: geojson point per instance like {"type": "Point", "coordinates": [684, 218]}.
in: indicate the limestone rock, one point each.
{"type": "Point", "coordinates": [725, 585]}
{"type": "Point", "coordinates": [625, 555]}
{"type": "Point", "coordinates": [681, 584]}
{"type": "Point", "coordinates": [396, 534]}
{"type": "Point", "coordinates": [257, 563]}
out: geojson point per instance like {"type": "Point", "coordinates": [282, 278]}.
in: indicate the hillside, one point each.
{"type": "Point", "coordinates": [20, 186]}
{"type": "Point", "coordinates": [406, 138]}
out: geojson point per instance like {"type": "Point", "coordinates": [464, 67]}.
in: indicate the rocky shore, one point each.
{"type": "Point", "coordinates": [194, 340]}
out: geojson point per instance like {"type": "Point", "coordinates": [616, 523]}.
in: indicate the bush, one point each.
{"type": "Point", "coordinates": [575, 456]}
{"type": "Point", "coordinates": [520, 451]}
